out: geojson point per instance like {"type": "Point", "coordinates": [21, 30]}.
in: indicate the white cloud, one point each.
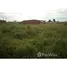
{"type": "Point", "coordinates": [28, 9]}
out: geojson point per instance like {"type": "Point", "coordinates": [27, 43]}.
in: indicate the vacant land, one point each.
{"type": "Point", "coordinates": [26, 41]}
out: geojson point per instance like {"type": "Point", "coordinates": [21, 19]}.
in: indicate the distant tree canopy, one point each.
{"type": "Point", "coordinates": [54, 20]}
{"type": "Point", "coordinates": [2, 21]}
{"type": "Point", "coordinates": [49, 20]}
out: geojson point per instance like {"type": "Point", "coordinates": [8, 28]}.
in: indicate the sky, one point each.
{"type": "Point", "coordinates": [33, 9]}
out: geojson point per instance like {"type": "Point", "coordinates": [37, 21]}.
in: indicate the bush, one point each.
{"type": "Point", "coordinates": [40, 44]}
{"type": "Point", "coordinates": [5, 29]}
{"type": "Point", "coordinates": [60, 49]}
{"type": "Point", "coordinates": [26, 51]}
{"type": "Point", "coordinates": [65, 23]}
{"type": "Point", "coordinates": [20, 35]}
{"type": "Point", "coordinates": [25, 41]}
{"type": "Point", "coordinates": [31, 31]}
{"type": "Point", "coordinates": [4, 44]}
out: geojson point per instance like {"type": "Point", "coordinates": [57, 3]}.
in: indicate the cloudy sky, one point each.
{"type": "Point", "coordinates": [33, 9]}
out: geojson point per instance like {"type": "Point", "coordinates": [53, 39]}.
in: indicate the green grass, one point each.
{"type": "Point", "coordinates": [25, 41]}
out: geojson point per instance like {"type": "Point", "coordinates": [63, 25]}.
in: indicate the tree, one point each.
{"type": "Point", "coordinates": [49, 20]}
{"type": "Point", "coordinates": [54, 20]}
{"type": "Point", "coordinates": [2, 21]}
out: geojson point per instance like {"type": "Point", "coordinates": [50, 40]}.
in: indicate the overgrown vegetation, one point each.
{"type": "Point", "coordinates": [25, 41]}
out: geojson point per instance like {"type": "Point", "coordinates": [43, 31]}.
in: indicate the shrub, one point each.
{"type": "Point", "coordinates": [25, 41]}
{"type": "Point", "coordinates": [4, 44]}
{"type": "Point", "coordinates": [26, 51]}
{"type": "Point", "coordinates": [31, 31]}
{"type": "Point", "coordinates": [5, 29]}
{"type": "Point", "coordinates": [65, 23]}
{"type": "Point", "coordinates": [20, 35]}
{"type": "Point", "coordinates": [60, 49]}
{"type": "Point", "coordinates": [40, 44]}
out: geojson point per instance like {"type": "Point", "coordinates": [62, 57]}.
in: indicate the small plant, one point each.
{"type": "Point", "coordinates": [20, 35]}
{"type": "Point", "coordinates": [5, 29]}
{"type": "Point", "coordinates": [60, 49]}
{"type": "Point", "coordinates": [26, 51]}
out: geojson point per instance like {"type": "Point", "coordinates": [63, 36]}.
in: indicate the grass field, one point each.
{"type": "Point", "coordinates": [26, 41]}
